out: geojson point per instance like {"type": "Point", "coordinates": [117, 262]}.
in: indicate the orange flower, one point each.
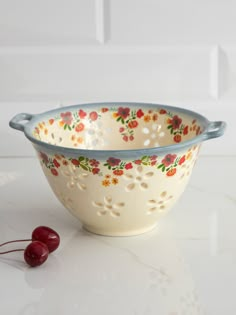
{"type": "Point", "coordinates": [79, 127]}
{"type": "Point", "coordinates": [80, 140]}
{"type": "Point", "coordinates": [118, 172]}
{"type": "Point", "coordinates": [147, 118]}
{"type": "Point", "coordinates": [46, 131]}
{"type": "Point", "coordinates": [189, 155]}
{"type": "Point", "coordinates": [106, 182]}
{"type": "Point", "coordinates": [61, 123]}
{"type": "Point", "coordinates": [133, 124]}
{"type": "Point", "coordinates": [104, 109]}
{"type": "Point", "coordinates": [168, 121]}
{"type": "Point", "coordinates": [65, 162]}
{"type": "Point", "coordinates": [107, 176]}
{"type": "Point", "coordinates": [51, 121]}
{"type": "Point", "coordinates": [171, 172]}
{"type": "Point", "coordinates": [154, 117]}
{"type": "Point", "coordinates": [115, 115]}
{"type": "Point", "coordinates": [115, 181]}
{"type": "Point", "coordinates": [58, 157]}
{"type": "Point", "coordinates": [40, 125]}
{"type": "Point", "coordinates": [177, 138]}
{"type": "Point", "coordinates": [73, 137]}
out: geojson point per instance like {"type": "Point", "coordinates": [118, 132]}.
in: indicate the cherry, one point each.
{"type": "Point", "coordinates": [44, 241]}
{"type": "Point", "coordinates": [36, 253]}
{"type": "Point", "coordinates": [47, 236]}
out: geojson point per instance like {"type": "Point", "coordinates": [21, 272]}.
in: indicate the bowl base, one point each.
{"type": "Point", "coordinates": [134, 232]}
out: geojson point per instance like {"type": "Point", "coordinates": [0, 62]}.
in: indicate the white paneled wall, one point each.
{"type": "Point", "coordinates": [67, 52]}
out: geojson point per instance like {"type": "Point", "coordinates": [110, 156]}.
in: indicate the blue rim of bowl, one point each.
{"type": "Point", "coordinates": [126, 153]}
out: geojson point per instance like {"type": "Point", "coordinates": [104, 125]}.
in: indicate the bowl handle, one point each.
{"type": "Point", "coordinates": [214, 129]}
{"type": "Point", "coordinates": [15, 121]}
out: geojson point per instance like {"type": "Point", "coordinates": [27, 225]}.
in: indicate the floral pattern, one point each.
{"type": "Point", "coordinates": [129, 121]}
{"type": "Point", "coordinates": [116, 168]}
{"type": "Point", "coordinates": [177, 128]}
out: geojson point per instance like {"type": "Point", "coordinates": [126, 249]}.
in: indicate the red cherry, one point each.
{"type": "Point", "coordinates": [36, 253]}
{"type": "Point", "coordinates": [47, 236]}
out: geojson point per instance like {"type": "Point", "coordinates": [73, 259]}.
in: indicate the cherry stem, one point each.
{"type": "Point", "coordinates": [11, 251]}
{"type": "Point", "coordinates": [25, 240]}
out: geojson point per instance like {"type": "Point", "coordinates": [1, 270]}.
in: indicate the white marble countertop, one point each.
{"type": "Point", "coordinates": [187, 266]}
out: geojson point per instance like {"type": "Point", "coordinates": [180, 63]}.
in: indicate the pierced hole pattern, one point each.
{"type": "Point", "coordinates": [74, 178]}
{"type": "Point", "coordinates": [108, 207]}
{"type": "Point", "coordinates": [159, 204]}
{"type": "Point", "coordinates": [138, 181]}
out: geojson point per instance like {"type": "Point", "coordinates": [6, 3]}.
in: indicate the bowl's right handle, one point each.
{"type": "Point", "coordinates": [215, 129]}
{"type": "Point", "coordinates": [15, 121]}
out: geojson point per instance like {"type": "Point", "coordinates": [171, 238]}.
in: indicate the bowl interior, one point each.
{"type": "Point", "coordinates": [117, 127]}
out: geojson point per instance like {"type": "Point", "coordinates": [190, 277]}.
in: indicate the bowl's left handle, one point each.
{"type": "Point", "coordinates": [17, 121]}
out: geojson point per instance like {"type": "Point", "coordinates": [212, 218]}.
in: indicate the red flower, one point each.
{"type": "Point", "coordinates": [128, 166]}
{"type": "Point", "coordinates": [82, 114]}
{"type": "Point", "coordinates": [131, 138]}
{"type": "Point", "coordinates": [75, 162]}
{"type": "Point", "coordinates": [95, 170]}
{"type": "Point", "coordinates": [56, 164]}
{"type": "Point", "coordinates": [168, 159]}
{"type": "Point", "coordinates": [94, 163]}
{"type": "Point", "coordinates": [162, 111]}
{"type": "Point", "coordinates": [138, 162]}
{"type": "Point", "coordinates": [79, 127]}
{"type": "Point", "coordinates": [140, 113]}
{"type": "Point", "coordinates": [118, 172]}
{"type": "Point", "coordinates": [153, 163]}
{"type": "Point", "coordinates": [185, 131]}
{"type": "Point", "coordinates": [54, 171]}
{"type": "Point", "coordinates": [122, 129]}
{"type": "Point", "coordinates": [113, 161]}
{"type": "Point", "coordinates": [133, 124]}
{"type": "Point", "coordinates": [171, 172]}
{"type": "Point", "coordinates": [44, 157]}
{"type": "Point", "coordinates": [104, 109]}
{"type": "Point", "coordinates": [177, 138]}
{"type": "Point", "coordinates": [67, 118]}
{"type": "Point", "coordinates": [153, 157]}
{"type": "Point", "coordinates": [123, 112]}
{"type": "Point", "coordinates": [93, 116]}
{"type": "Point", "coordinates": [182, 160]}
{"type": "Point", "coordinates": [176, 122]}
{"type": "Point", "coordinates": [125, 138]}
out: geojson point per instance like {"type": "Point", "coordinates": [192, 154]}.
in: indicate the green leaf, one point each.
{"type": "Point", "coordinates": [163, 168]}
{"type": "Point", "coordinates": [119, 118]}
{"type": "Point", "coordinates": [160, 166]}
{"type": "Point", "coordinates": [171, 131]}
{"type": "Point", "coordinates": [69, 127]}
{"type": "Point", "coordinates": [65, 126]}
{"type": "Point", "coordinates": [81, 158]}
{"type": "Point", "coordinates": [145, 157]}
{"type": "Point", "coordinates": [170, 126]}
{"type": "Point", "coordinates": [122, 120]}
{"type": "Point", "coordinates": [84, 167]}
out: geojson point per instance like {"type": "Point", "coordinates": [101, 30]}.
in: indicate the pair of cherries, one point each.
{"type": "Point", "coordinates": [44, 241]}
